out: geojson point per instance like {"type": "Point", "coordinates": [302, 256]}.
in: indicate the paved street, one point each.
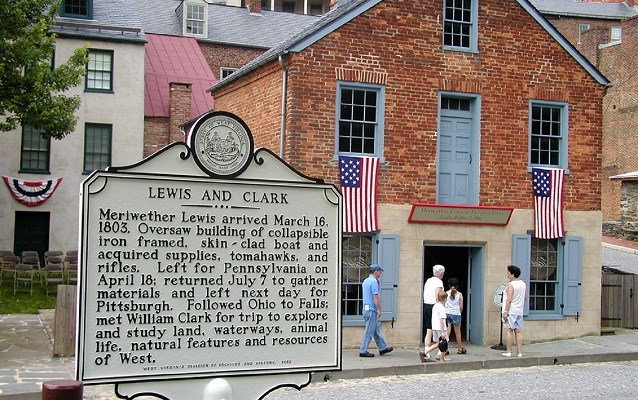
{"type": "Point", "coordinates": [610, 380]}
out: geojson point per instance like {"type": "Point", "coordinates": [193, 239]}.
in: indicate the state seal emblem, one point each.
{"type": "Point", "coordinates": [222, 144]}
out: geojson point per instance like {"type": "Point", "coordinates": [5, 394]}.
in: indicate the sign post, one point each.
{"type": "Point", "coordinates": [208, 260]}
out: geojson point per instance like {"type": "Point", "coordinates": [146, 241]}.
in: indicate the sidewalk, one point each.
{"type": "Point", "coordinates": [26, 362]}
{"type": "Point", "coordinates": [629, 246]}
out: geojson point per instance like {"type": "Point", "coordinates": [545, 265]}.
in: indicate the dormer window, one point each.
{"type": "Point", "coordinates": [196, 21]}
{"type": "Point", "coordinates": [77, 9]}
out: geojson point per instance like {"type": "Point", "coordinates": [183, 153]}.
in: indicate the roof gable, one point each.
{"type": "Point", "coordinates": [350, 10]}
{"type": "Point", "coordinates": [175, 59]}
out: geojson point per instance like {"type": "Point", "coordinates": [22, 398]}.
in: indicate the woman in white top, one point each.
{"type": "Point", "coordinates": [453, 309]}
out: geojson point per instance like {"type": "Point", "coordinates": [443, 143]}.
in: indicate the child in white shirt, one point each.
{"type": "Point", "coordinates": [439, 328]}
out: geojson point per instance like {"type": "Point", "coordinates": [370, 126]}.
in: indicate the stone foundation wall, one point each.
{"type": "Point", "coordinates": [629, 209]}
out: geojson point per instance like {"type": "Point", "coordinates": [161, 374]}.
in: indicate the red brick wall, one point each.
{"type": "Point", "coordinates": [620, 106]}
{"type": "Point", "coordinates": [400, 43]}
{"type": "Point", "coordinates": [598, 33]}
{"type": "Point", "coordinates": [219, 55]}
{"type": "Point", "coordinates": [161, 131]}
{"type": "Point", "coordinates": [258, 103]}
{"type": "Point", "coordinates": [155, 134]}
{"type": "Point", "coordinates": [179, 109]}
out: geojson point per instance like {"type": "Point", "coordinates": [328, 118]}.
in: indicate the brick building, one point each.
{"type": "Point", "coordinates": [617, 62]}
{"type": "Point", "coordinates": [605, 32]}
{"type": "Point", "coordinates": [451, 102]}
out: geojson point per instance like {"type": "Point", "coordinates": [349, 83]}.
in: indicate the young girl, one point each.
{"type": "Point", "coordinates": [453, 309]}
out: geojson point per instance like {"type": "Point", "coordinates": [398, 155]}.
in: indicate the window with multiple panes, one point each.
{"type": "Point", "coordinates": [616, 33]}
{"type": "Point", "coordinates": [544, 275]}
{"type": "Point", "coordinates": [456, 104]}
{"type": "Point", "coordinates": [195, 19]}
{"type": "Point", "coordinates": [548, 134]}
{"type": "Point", "coordinates": [34, 154]}
{"type": "Point", "coordinates": [552, 270]}
{"type": "Point", "coordinates": [97, 147]}
{"type": "Point", "coordinates": [225, 72]}
{"type": "Point", "coordinates": [359, 119]}
{"type": "Point", "coordinates": [459, 24]}
{"type": "Point", "coordinates": [357, 257]}
{"type": "Point", "coordinates": [77, 9]}
{"type": "Point", "coordinates": [99, 71]}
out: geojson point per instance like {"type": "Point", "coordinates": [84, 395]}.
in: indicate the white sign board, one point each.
{"type": "Point", "coordinates": [187, 274]}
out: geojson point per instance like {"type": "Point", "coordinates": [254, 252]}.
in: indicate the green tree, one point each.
{"type": "Point", "coordinates": [31, 90]}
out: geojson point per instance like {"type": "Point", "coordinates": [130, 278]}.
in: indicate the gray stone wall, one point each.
{"type": "Point", "coordinates": [629, 209]}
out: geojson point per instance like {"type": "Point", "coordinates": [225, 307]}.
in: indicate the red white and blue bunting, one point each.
{"type": "Point", "coordinates": [31, 193]}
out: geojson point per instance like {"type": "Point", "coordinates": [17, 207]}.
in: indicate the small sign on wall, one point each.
{"type": "Point", "coordinates": [456, 214]}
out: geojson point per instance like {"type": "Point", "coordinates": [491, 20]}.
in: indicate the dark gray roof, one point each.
{"type": "Point", "coordinates": [226, 24]}
{"type": "Point", "coordinates": [108, 16]}
{"type": "Point", "coordinates": [585, 9]}
{"type": "Point", "coordinates": [349, 9]}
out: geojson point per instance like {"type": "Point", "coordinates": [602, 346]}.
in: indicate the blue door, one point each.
{"type": "Point", "coordinates": [457, 175]}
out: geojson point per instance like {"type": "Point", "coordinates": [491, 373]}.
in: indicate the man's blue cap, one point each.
{"type": "Point", "coordinates": [376, 267]}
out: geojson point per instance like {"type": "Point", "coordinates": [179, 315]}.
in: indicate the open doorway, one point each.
{"type": "Point", "coordinates": [465, 264]}
{"type": "Point", "coordinates": [31, 232]}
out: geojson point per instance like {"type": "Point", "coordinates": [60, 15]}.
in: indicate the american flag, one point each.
{"type": "Point", "coordinates": [358, 179]}
{"type": "Point", "coordinates": [548, 203]}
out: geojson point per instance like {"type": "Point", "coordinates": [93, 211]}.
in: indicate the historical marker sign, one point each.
{"type": "Point", "coordinates": [208, 260]}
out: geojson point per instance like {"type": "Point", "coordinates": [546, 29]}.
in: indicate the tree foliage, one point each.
{"type": "Point", "coordinates": [31, 90]}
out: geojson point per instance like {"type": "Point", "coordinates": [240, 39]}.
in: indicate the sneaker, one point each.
{"type": "Point", "coordinates": [519, 355]}
{"type": "Point", "coordinates": [366, 354]}
{"type": "Point", "coordinates": [506, 354]}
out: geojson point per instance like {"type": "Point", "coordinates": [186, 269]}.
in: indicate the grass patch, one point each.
{"type": "Point", "coordinates": [22, 302]}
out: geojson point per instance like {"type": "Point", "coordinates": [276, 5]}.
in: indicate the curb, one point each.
{"type": "Point", "coordinates": [621, 248]}
{"type": "Point", "coordinates": [433, 368]}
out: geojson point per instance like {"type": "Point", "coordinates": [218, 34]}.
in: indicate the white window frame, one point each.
{"type": "Point", "coordinates": [224, 72]}
{"type": "Point", "coordinates": [615, 34]}
{"type": "Point", "coordinates": [195, 21]}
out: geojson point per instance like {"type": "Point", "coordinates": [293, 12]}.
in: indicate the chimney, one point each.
{"type": "Point", "coordinates": [179, 109]}
{"type": "Point", "coordinates": [254, 6]}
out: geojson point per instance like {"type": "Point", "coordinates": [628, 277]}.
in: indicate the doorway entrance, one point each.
{"type": "Point", "coordinates": [464, 263]}
{"type": "Point", "coordinates": [31, 232]}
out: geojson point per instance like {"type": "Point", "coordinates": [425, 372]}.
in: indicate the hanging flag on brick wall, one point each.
{"type": "Point", "coordinates": [548, 202]}
{"type": "Point", "coordinates": [31, 193]}
{"type": "Point", "coordinates": [358, 179]}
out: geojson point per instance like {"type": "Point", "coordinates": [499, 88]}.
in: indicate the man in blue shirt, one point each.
{"type": "Point", "coordinates": [371, 314]}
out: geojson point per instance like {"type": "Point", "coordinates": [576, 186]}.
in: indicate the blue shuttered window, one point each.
{"type": "Point", "coordinates": [358, 253]}
{"type": "Point", "coordinates": [388, 258]}
{"type": "Point", "coordinates": [573, 275]}
{"type": "Point", "coordinates": [550, 301]}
